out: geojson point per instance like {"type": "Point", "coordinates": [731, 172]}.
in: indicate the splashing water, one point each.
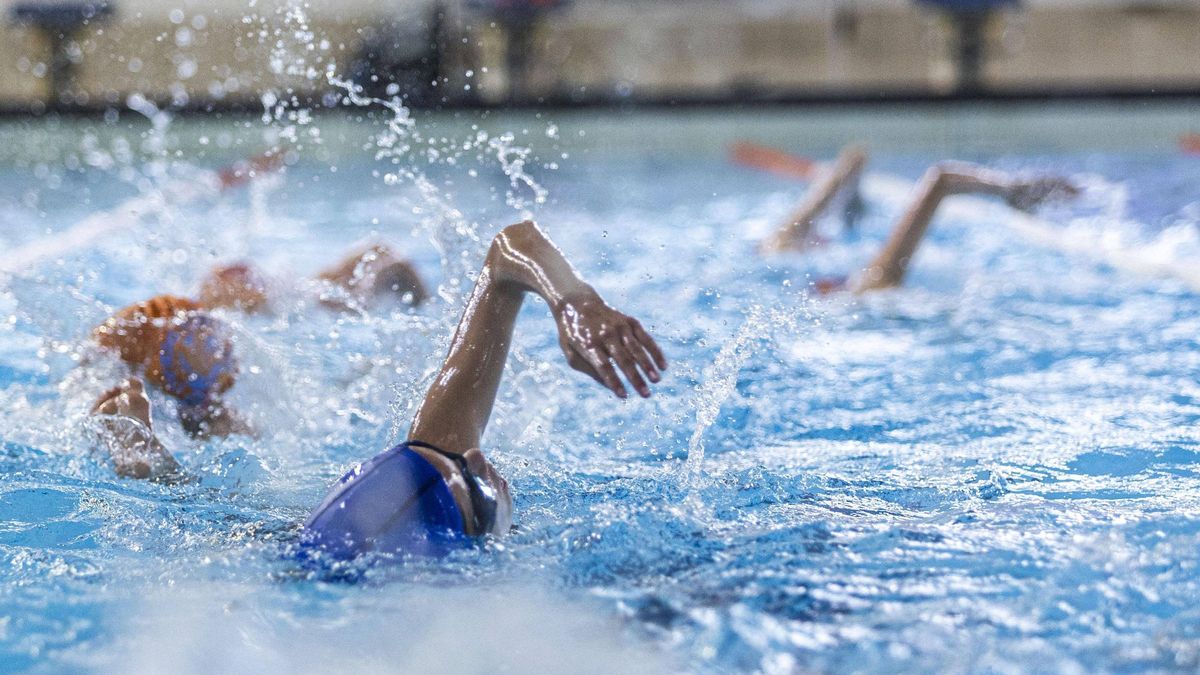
{"type": "Point", "coordinates": [404, 149]}
{"type": "Point", "coordinates": [719, 379]}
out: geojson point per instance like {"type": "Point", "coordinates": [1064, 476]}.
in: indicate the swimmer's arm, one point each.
{"type": "Point", "coordinates": [888, 268]}
{"type": "Point", "coordinates": [592, 335]}
{"type": "Point", "coordinates": [797, 229]}
{"type": "Point", "coordinates": [136, 452]}
{"type": "Point", "coordinates": [957, 178]}
{"type": "Point", "coordinates": [127, 433]}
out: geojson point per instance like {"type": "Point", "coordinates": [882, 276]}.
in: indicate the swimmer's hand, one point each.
{"type": "Point", "coordinates": [593, 336]}
{"type": "Point", "coordinates": [1026, 195]}
{"type": "Point", "coordinates": [124, 413]}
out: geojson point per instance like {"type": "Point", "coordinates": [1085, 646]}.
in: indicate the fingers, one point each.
{"type": "Point", "coordinates": [634, 352]}
{"type": "Point", "coordinates": [121, 399]}
{"type": "Point", "coordinates": [107, 401]}
{"type": "Point", "coordinates": [608, 377]}
{"type": "Point", "coordinates": [644, 361]}
{"type": "Point", "coordinates": [628, 365]}
{"type": "Point", "coordinates": [596, 363]}
{"type": "Point", "coordinates": [104, 402]}
{"type": "Point", "coordinates": [649, 343]}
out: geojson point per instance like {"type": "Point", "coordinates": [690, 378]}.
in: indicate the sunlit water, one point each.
{"type": "Point", "coordinates": [996, 467]}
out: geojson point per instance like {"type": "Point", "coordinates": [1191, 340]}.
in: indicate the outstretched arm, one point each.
{"type": "Point", "coordinates": [889, 267]}
{"type": "Point", "coordinates": [593, 336]}
{"type": "Point", "coordinates": [796, 232]}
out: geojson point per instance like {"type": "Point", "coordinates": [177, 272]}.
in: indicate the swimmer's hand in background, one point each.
{"type": "Point", "coordinates": [1026, 195]}
{"type": "Point", "coordinates": [594, 336]}
{"type": "Point", "coordinates": [128, 434]}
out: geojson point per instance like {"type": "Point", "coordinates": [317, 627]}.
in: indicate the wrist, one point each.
{"type": "Point", "coordinates": [578, 293]}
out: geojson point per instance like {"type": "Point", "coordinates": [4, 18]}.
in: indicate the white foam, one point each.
{"type": "Point", "coordinates": [219, 627]}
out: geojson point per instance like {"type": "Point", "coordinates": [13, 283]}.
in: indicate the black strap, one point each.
{"type": "Point", "coordinates": [483, 502]}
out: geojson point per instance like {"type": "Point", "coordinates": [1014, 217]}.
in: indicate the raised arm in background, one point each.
{"type": "Point", "coordinates": [888, 268]}
{"type": "Point", "coordinates": [840, 181]}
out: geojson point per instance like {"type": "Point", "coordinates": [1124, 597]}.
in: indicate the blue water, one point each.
{"type": "Point", "coordinates": [996, 468]}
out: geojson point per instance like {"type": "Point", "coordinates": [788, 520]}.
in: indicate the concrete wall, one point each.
{"type": "Point", "coordinates": [191, 51]}
{"type": "Point", "coordinates": [867, 46]}
{"type": "Point", "coordinates": [1121, 44]}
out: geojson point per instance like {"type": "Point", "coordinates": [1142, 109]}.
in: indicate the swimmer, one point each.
{"type": "Point", "coordinates": [437, 487]}
{"type": "Point", "coordinates": [837, 190]}
{"type": "Point", "coordinates": [177, 345]}
{"type": "Point", "coordinates": [363, 279]}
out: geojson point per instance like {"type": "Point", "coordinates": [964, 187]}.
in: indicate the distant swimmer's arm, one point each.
{"type": "Point", "coordinates": [957, 178]}
{"type": "Point", "coordinates": [888, 268]}
{"type": "Point", "coordinates": [595, 338]}
{"type": "Point", "coordinates": [796, 232]}
{"type": "Point", "coordinates": [127, 432]}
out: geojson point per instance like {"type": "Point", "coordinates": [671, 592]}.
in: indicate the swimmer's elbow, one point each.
{"type": "Point", "coordinates": [518, 240]}
{"type": "Point", "coordinates": [515, 235]}
{"type": "Point", "coordinates": [939, 173]}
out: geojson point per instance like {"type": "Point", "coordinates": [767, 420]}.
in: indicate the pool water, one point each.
{"type": "Point", "coordinates": [995, 468]}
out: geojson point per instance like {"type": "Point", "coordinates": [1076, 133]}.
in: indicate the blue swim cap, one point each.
{"type": "Point", "coordinates": [186, 382]}
{"type": "Point", "coordinates": [395, 503]}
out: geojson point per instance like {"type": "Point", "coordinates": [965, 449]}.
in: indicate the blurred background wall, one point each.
{"type": "Point", "coordinates": [218, 53]}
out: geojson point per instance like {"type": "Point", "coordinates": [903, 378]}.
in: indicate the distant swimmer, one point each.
{"type": "Point", "coordinates": [836, 192]}
{"type": "Point", "coordinates": [437, 488]}
{"type": "Point", "coordinates": [177, 345]}
{"type": "Point", "coordinates": [366, 278]}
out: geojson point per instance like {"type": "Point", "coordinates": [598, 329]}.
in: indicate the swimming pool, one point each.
{"type": "Point", "coordinates": [994, 468]}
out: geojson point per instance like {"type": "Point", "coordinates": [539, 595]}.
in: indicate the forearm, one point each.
{"type": "Point", "coordinates": [958, 178]}
{"type": "Point", "coordinates": [888, 268]}
{"type": "Point", "coordinates": [459, 403]}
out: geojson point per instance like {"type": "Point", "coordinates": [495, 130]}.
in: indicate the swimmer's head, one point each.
{"type": "Point", "coordinates": [400, 281]}
{"type": "Point", "coordinates": [374, 275]}
{"type": "Point", "coordinates": [175, 344]}
{"type": "Point", "coordinates": [238, 286]}
{"type": "Point", "coordinates": [195, 361]}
